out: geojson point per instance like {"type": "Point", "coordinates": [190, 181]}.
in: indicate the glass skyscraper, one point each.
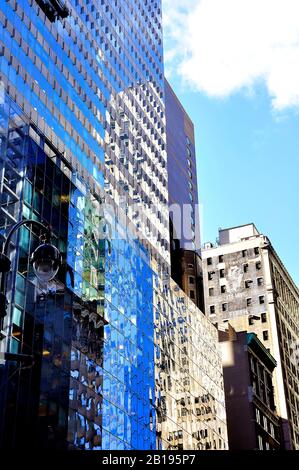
{"type": "Point", "coordinates": [122, 358]}
{"type": "Point", "coordinates": [186, 264]}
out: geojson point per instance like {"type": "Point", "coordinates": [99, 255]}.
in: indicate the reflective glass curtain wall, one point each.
{"type": "Point", "coordinates": [90, 330]}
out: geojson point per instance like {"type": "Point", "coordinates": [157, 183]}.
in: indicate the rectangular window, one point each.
{"type": "Point", "coordinates": [265, 335]}
{"type": "Point", "coordinates": [223, 289]}
{"type": "Point", "coordinates": [260, 281]}
{"type": "Point", "coordinates": [209, 261]}
{"type": "Point", "coordinates": [248, 284]}
{"type": "Point", "coordinates": [192, 294]}
{"type": "Point", "coordinates": [262, 299]}
{"type": "Point", "coordinates": [211, 291]}
{"type": "Point", "coordinates": [260, 441]}
{"type": "Point", "coordinates": [256, 251]}
{"type": "Point", "coordinates": [212, 310]}
{"type": "Point", "coordinates": [258, 416]}
{"type": "Point", "coordinates": [221, 258]}
{"type": "Point", "coordinates": [258, 265]}
{"type": "Point", "coordinates": [222, 273]}
{"type": "Point", "coordinates": [224, 307]}
{"type": "Point", "coordinates": [250, 320]}
{"type": "Point", "coordinates": [245, 268]}
{"type": "Point", "coordinates": [191, 280]}
{"type": "Point", "coordinates": [265, 423]}
{"type": "Point", "coordinates": [264, 318]}
{"type": "Point", "coordinates": [272, 432]}
{"type": "Point", "coordinates": [249, 302]}
{"type": "Point", "coordinates": [244, 253]}
{"type": "Point", "coordinates": [210, 275]}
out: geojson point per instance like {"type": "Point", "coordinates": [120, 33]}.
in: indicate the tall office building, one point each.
{"type": "Point", "coordinates": [83, 150]}
{"type": "Point", "coordinates": [186, 268]}
{"type": "Point", "coordinates": [244, 277]}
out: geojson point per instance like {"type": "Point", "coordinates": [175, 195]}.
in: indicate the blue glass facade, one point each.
{"type": "Point", "coordinates": [94, 325]}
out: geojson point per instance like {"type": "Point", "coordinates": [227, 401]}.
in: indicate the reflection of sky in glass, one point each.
{"type": "Point", "coordinates": [128, 349]}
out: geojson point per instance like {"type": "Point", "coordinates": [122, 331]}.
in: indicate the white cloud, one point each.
{"type": "Point", "coordinates": [222, 46]}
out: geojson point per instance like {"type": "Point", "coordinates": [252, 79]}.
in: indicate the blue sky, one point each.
{"type": "Point", "coordinates": [247, 136]}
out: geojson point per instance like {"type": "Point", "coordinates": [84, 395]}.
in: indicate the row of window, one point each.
{"type": "Point", "coordinates": [248, 284]}
{"type": "Point", "coordinates": [245, 253]}
{"type": "Point", "coordinates": [258, 267]}
{"type": "Point", "coordinates": [224, 306]}
{"type": "Point", "coordinates": [265, 423]}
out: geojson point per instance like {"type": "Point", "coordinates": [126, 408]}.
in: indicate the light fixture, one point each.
{"type": "Point", "coordinates": [46, 260]}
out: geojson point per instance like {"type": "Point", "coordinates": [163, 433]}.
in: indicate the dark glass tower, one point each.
{"type": "Point", "coordinates": [186, 263]}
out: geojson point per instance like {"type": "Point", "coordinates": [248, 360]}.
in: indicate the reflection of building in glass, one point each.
{"type": "Point", "coordinates": [248, 368]}
{"type": "Point", "coordinates": [189, 374]}
{"type": "Point", "coordinates": [136, 173]}
{"type": "Point", "coordinates": [82, 127]}
{"type": "Point", "coordinates": [91, 331]}
{"type": "Point", "coordinates": [247, 284]}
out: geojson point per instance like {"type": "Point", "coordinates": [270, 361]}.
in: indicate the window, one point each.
{"type": "Point", "coordinates": [250, 320]}
{"type": "Point", "coordinates": [265, 423]}
{"type": "Point", "coordinates": [264, 318]}
{"type": "Point", "coordinates": [262, 299]}
{"type": "Point", "coordinates": [211, 291]}
{"type": "Point", "coordinates": [209, 261]}
{"type": "Point", "coordinates": [221, 258]}
{"type": "Point", "coordinates": [192, 294]}
{"type": "Point", "coordinates": [222, 272]}
{"type": "Point", "coordinates": [260, 441]}
{"type": "Point", "coordinates": [224, 307]}
{"type": "Point", "coordinates": [212, 310]}
{"type": "Point", "coordinates": [260, 281]}
{"type": "Point", "coordinates": [256, 250]}
{"type": "Point", "coordinates": [248, 284]}
{"type": "Point", "coordinates": [258, 265]}
{"type": "Point", "coordinates": [272, 432]}
{"type": "Point", "coordinates": [190, 266]}
{"type": "Point", "coordinates": [191, 280]}
{"type": "Point", "coordinates": [245, 268]}
{"type": "Point", "coordinates": [210, 275]}
{"type": "Point", "coordinates": [249, 302]}
{"type": "Point", "coordinates": [257, 415]}
{"type": "Point", "coordinates": [223, 289]}
{"type": "Point", "coordinates": [265, 335]}
{"type": "Point", "coordinates": [244, 253]}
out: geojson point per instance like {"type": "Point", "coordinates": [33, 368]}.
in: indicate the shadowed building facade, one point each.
{"type": "Point", "coordinates": [248, 368]}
